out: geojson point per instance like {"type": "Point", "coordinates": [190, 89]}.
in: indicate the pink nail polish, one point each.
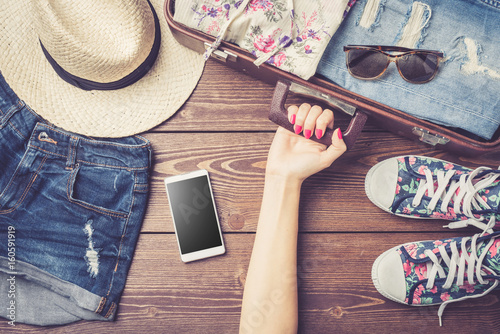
{"type": "Point", "coordinates": [319, 133]}
{"type": "Point", "coordinates": [298, 129]}
{"type": "Point", "coordinates": [307, 134]}
{"type": "Point", "coordinates": [339, 133]}
{"type": "Point", "coordinates": [292, 119]}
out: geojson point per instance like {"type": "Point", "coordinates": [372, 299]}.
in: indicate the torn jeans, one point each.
{"type": "Point", "coordinates": [465, 93]}
{"type": "Point", "coordinates": [71, 208]}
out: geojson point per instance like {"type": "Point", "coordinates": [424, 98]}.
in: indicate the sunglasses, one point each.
{"type": "Point", "coordinates": [369, 62]}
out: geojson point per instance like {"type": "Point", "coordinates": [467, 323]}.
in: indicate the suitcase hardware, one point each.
{"type": "Point", "coordinates": [223, 56]}
{"type": "Point", "coordinates": [429, 138]}
{"type": "Point", "coordinates": [310, 92]}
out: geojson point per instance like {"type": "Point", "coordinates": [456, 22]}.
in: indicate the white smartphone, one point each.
{"type": "Point", "coordinates": [194, 214]}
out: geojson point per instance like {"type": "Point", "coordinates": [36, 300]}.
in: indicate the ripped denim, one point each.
{"type": "Point", "coordinates": [71, 208]}
{"type": "Point", "coordinates": [465, 93]}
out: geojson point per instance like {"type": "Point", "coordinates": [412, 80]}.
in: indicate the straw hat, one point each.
{"type": "Point", "coordinates": [97, 45]}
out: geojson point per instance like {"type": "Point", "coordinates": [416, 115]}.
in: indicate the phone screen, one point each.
{"type": "Point", "coordinates": [194, 214]}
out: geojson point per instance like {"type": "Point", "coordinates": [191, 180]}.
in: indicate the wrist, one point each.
{"type": "Point", "coordinates": [281, 181]}
{"type": "Point", "coordinates": [280, 203]}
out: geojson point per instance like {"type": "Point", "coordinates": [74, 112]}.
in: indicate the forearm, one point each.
{"type": "Point", "coordinates": [270, 296]}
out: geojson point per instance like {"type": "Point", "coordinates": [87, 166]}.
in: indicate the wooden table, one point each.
{"type": "Point", "coordinates": [224, 128]}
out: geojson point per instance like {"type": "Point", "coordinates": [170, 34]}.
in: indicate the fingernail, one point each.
{"type": "Point", "coordinates": [307, 134]}
{"type": "Point", "coordinates": [339, 133]}
{"type": "Point", "coordinates": [298, 128]}
{"type": "Point", "coordinates": [319, 133]}
{"type": "Point", "coordinates": [292, 119]}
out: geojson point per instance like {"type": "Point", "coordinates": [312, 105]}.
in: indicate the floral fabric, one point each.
{"type": "Point", "coordinates": [411, 172]}
{"type": "Point", "coordinates": [291, 35]}
{"type": "Point", "coordinates": [415, 267]}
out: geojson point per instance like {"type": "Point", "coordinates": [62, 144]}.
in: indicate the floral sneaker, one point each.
{"type": "Point", "coordinates": [421, 187]}
{"type": "Point", "coordinates": [439, 272]}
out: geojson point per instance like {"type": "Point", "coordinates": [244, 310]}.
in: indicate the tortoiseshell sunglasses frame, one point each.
{"type": "Point", "coordinates": [392, 58]}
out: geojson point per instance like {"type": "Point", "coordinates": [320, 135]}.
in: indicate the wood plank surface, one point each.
{"type": "Point", "coordinates": [227, 100]}
{"type": "Point", "coordinates": [224, 128]}
{"type": "Point", "coordinates": [333, 200]}
{"type": "Point", "coordinates": [336, 295]}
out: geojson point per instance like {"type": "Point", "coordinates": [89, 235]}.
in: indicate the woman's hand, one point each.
{"type": "Point", "coordinates": [293, 156]}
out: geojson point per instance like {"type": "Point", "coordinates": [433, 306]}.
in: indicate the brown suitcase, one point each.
{"type": "Point", "coordinates": [359, 107]}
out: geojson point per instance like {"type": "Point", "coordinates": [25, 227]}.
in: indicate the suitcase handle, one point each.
{"type": "Point", "coordinates": [279, 115]}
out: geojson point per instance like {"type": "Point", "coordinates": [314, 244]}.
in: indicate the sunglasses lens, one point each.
{"type": "Point", "coordinates": [366, 64]}
{"type": "Point", "coordinates": [418, 67]}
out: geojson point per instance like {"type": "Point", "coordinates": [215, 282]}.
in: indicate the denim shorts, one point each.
{"type": "Point", "coordinates": [71, 208]}
{"type": "Point", "coordinates": [465, 92]}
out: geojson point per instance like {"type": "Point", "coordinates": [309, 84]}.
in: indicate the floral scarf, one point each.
{"type": "Point", "coordinates": [289, 34]}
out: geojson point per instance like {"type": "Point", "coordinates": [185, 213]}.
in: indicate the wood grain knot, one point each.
{"type": "Point", "coordinates": [152, 311]}
{"type": "Point", "coordinates": [337, 312]}
{"type": "Point", "coordinates": [242, 279]}
{"type": "Point", "coordinates": [236, 221]}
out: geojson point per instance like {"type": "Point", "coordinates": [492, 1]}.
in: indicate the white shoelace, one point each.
{"type": "Point", "coordinates": [459, 264]}
{"type": "Point", "coordinates": [463, 192]}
